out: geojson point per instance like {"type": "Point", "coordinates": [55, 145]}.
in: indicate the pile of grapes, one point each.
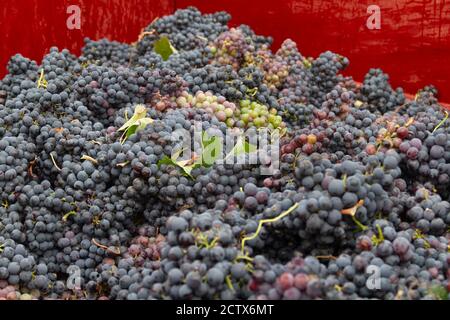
{"type": "Point", "coordinates": [94, 205]}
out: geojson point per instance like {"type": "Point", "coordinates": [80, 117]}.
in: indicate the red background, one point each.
{"type": "Point", "coordinates": [413, 44]}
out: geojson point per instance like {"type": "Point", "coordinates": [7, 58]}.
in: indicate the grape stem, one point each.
{"type": "Point", "coordinates": [86, 157]}
{"type": "Point", "coordinates": [327, 257]}
{"type": "Point", "coordinates": [54, 162]}
{"type": "Point", "coordinates": [442, 122]}
{"type": "Point", "coordinates": [42, 82]}
{"type": "Point", "coordinates": [105, 247]}
{"type": "Point", "coordinates": [30, 168]}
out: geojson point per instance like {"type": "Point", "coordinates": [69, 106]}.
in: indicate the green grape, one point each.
{"type": "Point", "coordinates": [244, 103]}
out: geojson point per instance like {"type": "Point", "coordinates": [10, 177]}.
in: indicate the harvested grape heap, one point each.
{"type": "Point", "coordinates": [94, 205]}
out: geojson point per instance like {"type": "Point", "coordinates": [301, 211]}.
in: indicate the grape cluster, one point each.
{"type": "Point", "coordinates": [379, 94]}
{"type": "Point", "coordinates": [231, 48]}
{"type": "Point", "coordinates": [187, 28]}
{"type": "Point", "coordinates": [108, 53]}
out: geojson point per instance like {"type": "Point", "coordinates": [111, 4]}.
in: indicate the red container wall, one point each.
{"type": "Point", "coordinates": [413, 44]}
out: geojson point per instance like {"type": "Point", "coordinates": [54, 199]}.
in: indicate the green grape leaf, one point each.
{"type": "Point", "coordinates": [164, 48]}
{"type": "Point", "coordinates": [186, 170]}
{"type": "Point", "coordinates": [211, 150]}
{"type": "Point", "coordinates": [139, 113]}
{"type": "Point", "coordinates": [131, 130]}
{"type": "Point", "coordinates": [137, 122]}
{"type": "Point", "coordinates": [166, 160]}
{"type": "Point", "coordinates": [182, 164]}
{"type": "Point", "coordinates": [176, 155]}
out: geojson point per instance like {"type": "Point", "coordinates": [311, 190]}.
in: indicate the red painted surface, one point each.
{"type": "Point", "coordinates": [413, 45]}
{"type": "Point", "coordinates": [31, 27]}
